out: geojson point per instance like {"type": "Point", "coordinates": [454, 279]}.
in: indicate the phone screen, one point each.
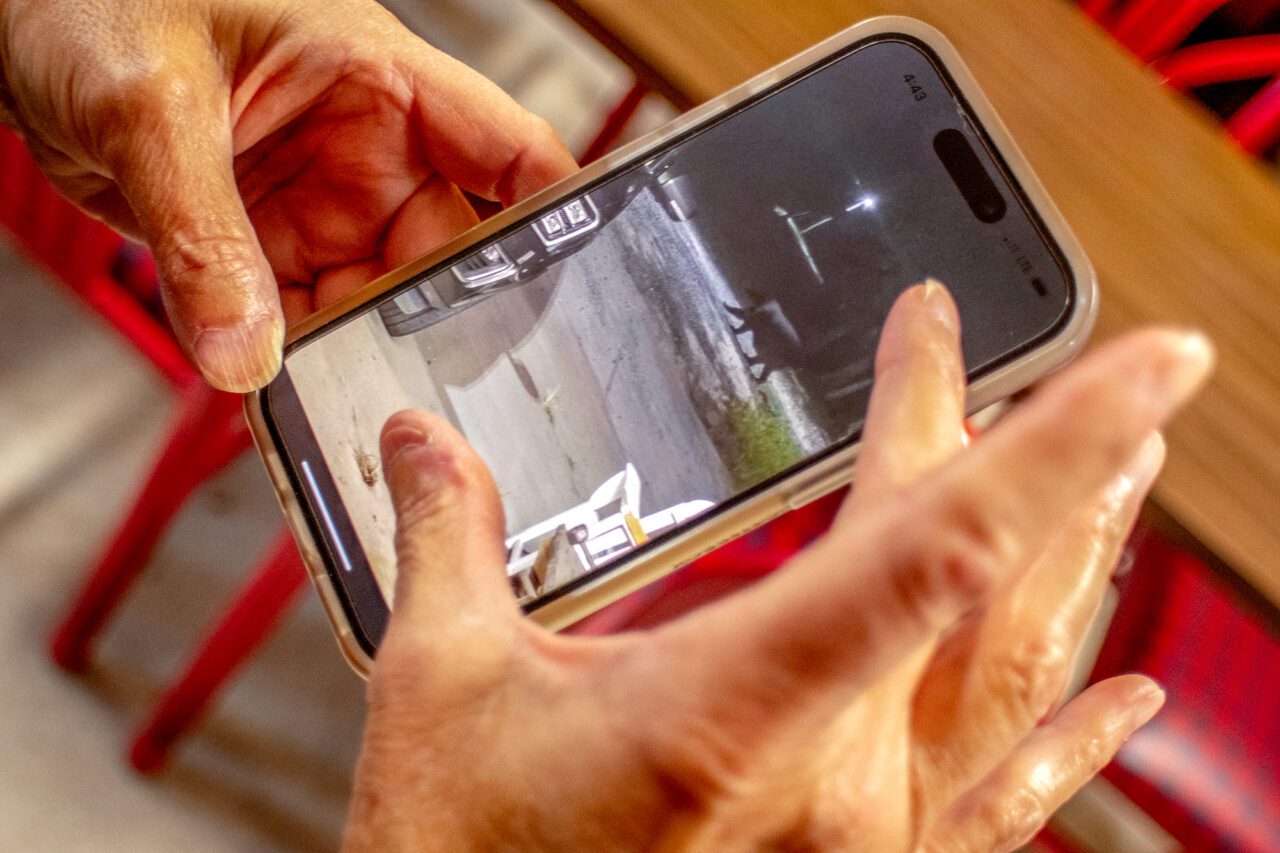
{"type": "Point", "coordinates": [682, 332]}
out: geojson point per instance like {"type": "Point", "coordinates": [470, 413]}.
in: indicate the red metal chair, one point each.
{"type": "Point", "coordinates": [1206, 768]}
{"type": "Point", "coordinates": [116, 280]}
{"type": "Point", "coordinates": [615, 123]}
{"type": "Point", "coordinates": [207, 434]}
{"type": "Point", "coordinates": [1256, 125]}
{"type": "Point", "coordinates": [1153, 29]}
{"type": "Point", "coordinates": [243, 626]}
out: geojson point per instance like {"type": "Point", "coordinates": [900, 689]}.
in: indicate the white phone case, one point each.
{"type": "Point", "coordinates": [801, 488]}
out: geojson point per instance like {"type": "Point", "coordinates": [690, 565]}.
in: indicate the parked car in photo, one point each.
{"type": "Point", "coordinates": [527, 252]}
{"type": "Point", "coordinates": [599, 531]}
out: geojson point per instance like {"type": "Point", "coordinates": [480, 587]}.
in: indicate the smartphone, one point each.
{"type": "Point", "coordinates": [676, 344]}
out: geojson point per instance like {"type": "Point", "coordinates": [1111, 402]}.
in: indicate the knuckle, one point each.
{"type": "Point", "coordinates": [1029, 674]}
{"type": "Point", "coordinates": [697, 760]}
{"type": "Point", "coordinates": [153, 92]}
{"type": "Point", "coordinates": [207, 254]}
{"type": "Point", "coordinates": [959, 560]}
{"type": "Point", "coordinates": [974, 545]}
{"type": "Point", "coordinates": [1013, 818]}
{"type": "Point", "coordinates": [148, 97]}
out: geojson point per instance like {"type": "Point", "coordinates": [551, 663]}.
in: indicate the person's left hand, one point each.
{"type": "Point", "coordinates": [304, 145]}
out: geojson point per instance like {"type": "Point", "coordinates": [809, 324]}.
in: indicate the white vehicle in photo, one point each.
{"type": "Point", "coordinates": [602, 529]}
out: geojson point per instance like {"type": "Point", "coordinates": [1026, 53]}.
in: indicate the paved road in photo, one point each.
{"type": "Point", "coordinates": [621, 353]}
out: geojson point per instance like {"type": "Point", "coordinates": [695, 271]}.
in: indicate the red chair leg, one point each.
{"type": "Point", "coordinates": [198, 446]}
{"type": "Point", "coordinates": [1151, 28]}
{"type": "Point", "coordinates": [1256, 125]}
{"type": "Point", "coordinates": [1097, 9]}
{"type": "Point", "coordinates": [240, 630]}
{"type": "Point", "coordinates": [1233, 59]}
{"type": "Point", "coordinates": [615, 123]}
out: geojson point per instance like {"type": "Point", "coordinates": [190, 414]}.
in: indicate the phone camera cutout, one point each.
{"type": "Point", "coordinates": [969, 176]}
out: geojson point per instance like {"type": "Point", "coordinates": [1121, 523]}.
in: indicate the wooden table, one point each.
{"type": "Point", "coordinates": [1183, 229]}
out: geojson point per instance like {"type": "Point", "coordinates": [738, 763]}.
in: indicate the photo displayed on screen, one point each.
{"type": "Point", "coordinates": [685, 331]}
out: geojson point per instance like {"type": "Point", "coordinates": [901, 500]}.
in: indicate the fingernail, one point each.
{"type": "Point", "coordinates": [1146, 704]}
{"type": "Point", "coordinates": [401, 438]}
{"type": "Point", "coordinates": [240, 358]}
{"type": "Point", "coordinates": [939, 304]}
{"type": "Point", "coordinates": [1176, 378]}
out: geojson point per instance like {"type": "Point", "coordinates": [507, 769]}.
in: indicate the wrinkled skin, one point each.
{"type": "Point", "coordinates": [894, 687]}
{"type": "Point", "coordinates": [270, 152]}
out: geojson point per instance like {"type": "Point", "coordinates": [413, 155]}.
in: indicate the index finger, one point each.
{"type": "Point", "coordinates": [914, 421]}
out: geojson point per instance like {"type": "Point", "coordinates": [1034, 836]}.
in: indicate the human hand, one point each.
{"type": "Point", "coordinates": [892, 688]}
{"type": "Point", "coordinates": [272, 153]}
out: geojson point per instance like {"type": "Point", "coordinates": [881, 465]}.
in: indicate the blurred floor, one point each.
{"type": "Point", "coordinates": [80, 417]}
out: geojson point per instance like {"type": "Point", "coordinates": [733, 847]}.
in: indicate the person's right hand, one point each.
{"type": "Point", "coordinates": [894, 687]}
{"type": "Point", "coordinates": [272, 153]}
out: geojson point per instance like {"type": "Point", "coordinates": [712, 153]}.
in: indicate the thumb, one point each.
{"type": "Point", "coordinates": [173, 164]}
{"type": "Point", "coordinates": [449, 523]}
